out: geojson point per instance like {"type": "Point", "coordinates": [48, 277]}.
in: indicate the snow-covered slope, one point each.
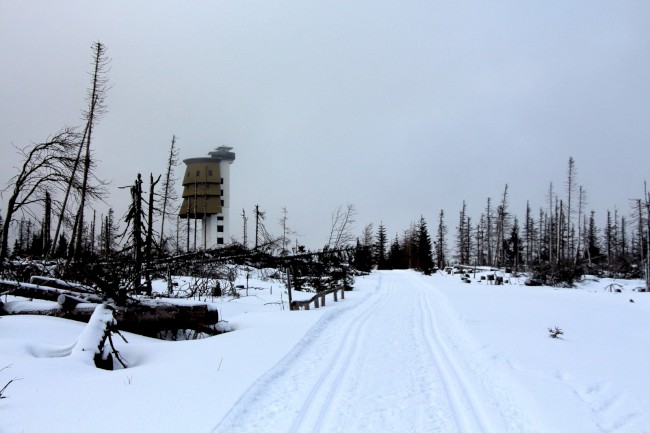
{"type": "Point", "coordinates": [403, 352]}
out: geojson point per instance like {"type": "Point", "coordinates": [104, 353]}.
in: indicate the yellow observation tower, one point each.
{"type": "Point", "coordinates": [206, 194]}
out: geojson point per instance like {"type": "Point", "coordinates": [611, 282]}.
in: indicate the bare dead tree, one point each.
{"type": "Point", "coordinates": [264, 241]}
{"type": "Point", "coordinates": [488, 231]}
{"type": "Point", "coordinates": [96, 107]}
{"type": "Point", "coordinates": [341, 228]}
{"type": "Point", "coordinates": [441, 240]}
{"type": "Point", "coordinates": [647, 210]}
{"type": "Point", "coordinates": [570, 187]}
{"type": "Point", "coordinates": [47, 222]}
{"type": "Point", "coordinates": [582, 201]}
{"type": "Point", "coordinates": [45, 166]}
{"type": "Point", "coordinates": [134, 228]}
{"type": "Point", "coordinates": [286, 232]}
{"type": "Point", "coordinates": [148, 243]}
{"type": "Point", "coordinates": [168, 192]}
{"type": "Point", "coordinates": [551, 225]}
{"type": "Point", "coordinates": [368, 235]}
{"type": "Point", "coordinates": [259, 217]}
{"type": "Point", "coordinates": [501, 227]}
{"type": "Point", "coordinates": [245, 228]}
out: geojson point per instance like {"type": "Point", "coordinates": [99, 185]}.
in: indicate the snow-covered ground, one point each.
{"type": "Point", "coordinates": [402, 353]}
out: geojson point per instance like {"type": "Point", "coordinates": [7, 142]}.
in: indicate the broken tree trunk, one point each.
{"type": "Point", "coordinates": [91, 344]}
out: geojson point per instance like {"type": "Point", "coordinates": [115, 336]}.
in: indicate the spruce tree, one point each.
{"type": "Point", "coordinates": [62, 247]}
{"type": "Point", "coordinates": [380, 248]}
{"type": "Point", "coordinates": [362, 257]}
{"type": "Point", "coordinates": [425, 256]}
{"type": "Point", "coordinates": [395, 255]}
{"type": "Point", "coordinates": [593, 244]}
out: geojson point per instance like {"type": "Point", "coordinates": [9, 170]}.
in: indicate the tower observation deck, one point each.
{"type": "Point", "coordinates": [206, 194]}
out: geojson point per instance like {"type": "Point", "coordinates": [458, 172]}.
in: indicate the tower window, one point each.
{"type": "Point", "coordinates": [219, 218]}
{"type": "Point", "coordinates": [219, 241]}
{"type": "Point", "coordinates": [222, 203]}
{"type": "Point", "coordinates": [220, 229]}
{"type": "Point", "coordinates": [222, 181]}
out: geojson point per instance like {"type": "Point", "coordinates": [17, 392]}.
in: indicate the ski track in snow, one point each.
{"type": "Point", "coordinates": [381, 364]}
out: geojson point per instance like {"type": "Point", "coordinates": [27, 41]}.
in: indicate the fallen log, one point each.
{"type": "Point", "coordinates": [69, 302]}
{"type": "Point", "coordinates": [59, 284]}
{"type": "Point", "coordinates": [29, 290]}
{"type": "Point", "coordinates": [152, 316]}
{"type": "Point", "coordinates": [148, 317]}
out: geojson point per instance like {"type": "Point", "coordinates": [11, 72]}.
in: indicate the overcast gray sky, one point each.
{"type": "Point", "coordinates": [402, 108]}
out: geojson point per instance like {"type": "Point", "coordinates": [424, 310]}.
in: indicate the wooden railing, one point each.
{"type": "Point", "coordinates": [318, 299]}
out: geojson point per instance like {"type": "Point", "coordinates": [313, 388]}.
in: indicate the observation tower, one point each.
{"type": "Point", "coordinates": [206, 194]}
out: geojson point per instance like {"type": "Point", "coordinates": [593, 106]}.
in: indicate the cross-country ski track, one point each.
{"type": "Point", "coordinates": [395, 360]}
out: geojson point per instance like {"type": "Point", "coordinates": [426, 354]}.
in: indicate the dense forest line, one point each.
{"type": "Point", "coordinates": [558, 242]}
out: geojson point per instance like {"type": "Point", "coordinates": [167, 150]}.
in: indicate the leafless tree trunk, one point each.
{"type": "Point", "coordinates": [529, 235]}
{"type": "Point", "coordinates": [148, 243]}
{"type": "Point", "coordinates": [488, 232]}
{"type": "Point", "coordinates": [259, 217]}
{"type": "Point", "coordinates": [647, 213]}
{"type": "Point", "coordinates": [460, 235]}
{"type": "Point", "coordinates": [47, 222]}
{"type": "Point", "coordinates": [582, 200]}
{"type": "Point", "coordinates": [91, 246]}
{"type": "Point", "coordinates": [135, 217]}
{"type": "Point", "coordinates": [168, 194]}
{"type": "Point", "coordinates": [570, 186]}
{"type": "Point", "coordinates": [245, 227]}
{"type": "Point", "coordinates": [96, 107]}
{"type": "Point", "coordinates": [286, 232]}
{"type": "Point", "coordinates": [551, 226]}
{"type": "Point", "coordinates": [502, 212]}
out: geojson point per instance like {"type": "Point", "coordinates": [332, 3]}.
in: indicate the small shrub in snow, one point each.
{"type": "Point", "coordinates": [555, 332]}
{"type": "Point", "coordinates": [561, 274]}
{"type": "Point", "coordinates": [4, 388]}
{"type": "Point", "coordinates": [614, 288]}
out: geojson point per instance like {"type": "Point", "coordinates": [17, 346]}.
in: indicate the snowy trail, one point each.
{"type": "Point", "coordinates": [382, 365]}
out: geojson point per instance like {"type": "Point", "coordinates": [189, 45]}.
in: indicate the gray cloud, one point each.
{"type": "Point", "coordinates": [402, 108]}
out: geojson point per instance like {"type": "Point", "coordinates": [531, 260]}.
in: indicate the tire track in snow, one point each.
{"type": "Point", "coordinates": [468, 411]}
{"type": "Point", "coordinates": [291, 370]}
{"type": "Point", "coordinates": [387, 386]}
{"type": "Point", "coordinates": [318, 405]}
{"type": "Point", "coordinates": [379, 363]}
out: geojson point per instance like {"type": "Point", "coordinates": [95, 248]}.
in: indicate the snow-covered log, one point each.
{"type": "Point", "coordinates": [146, 318]}
{"type": "Point", "coordinates": [59, 284]}
{"type": "Point", "coordinates": [90, 347]}
{"type": "Point", "coordinates": [69, 302]}
{"type": "Point", "coordinates": [29, 290]}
